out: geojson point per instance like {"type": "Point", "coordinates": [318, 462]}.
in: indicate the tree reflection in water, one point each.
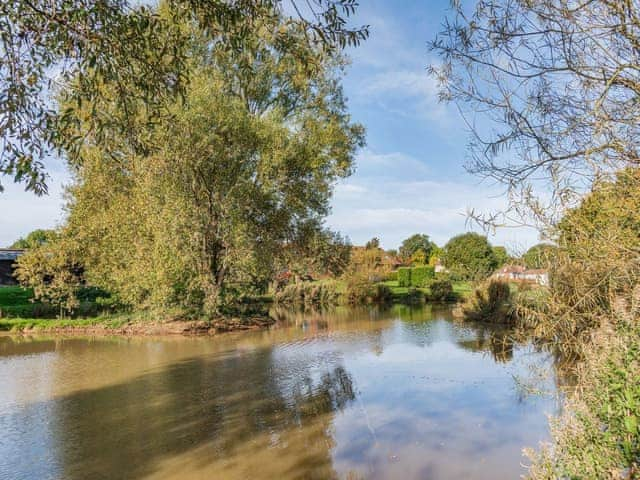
{"type": "Point", "coordinates": [231, 406]}
{"type": "Point", "coordinates": [320, 395]}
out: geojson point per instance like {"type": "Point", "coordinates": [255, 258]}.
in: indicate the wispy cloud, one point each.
{"type": "Point", "coordinates": [389, 200]}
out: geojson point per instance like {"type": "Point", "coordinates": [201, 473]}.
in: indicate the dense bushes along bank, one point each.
{"type": "Point", "coordinates": [361, 291]}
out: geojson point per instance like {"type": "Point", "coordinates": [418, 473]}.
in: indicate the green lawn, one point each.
{"type": "Point", "coordinates": [19, 324]}
{"type": "Point", "coordinates": [16, 301]}
{"type": "Point", "coordinates": [15, 295]}
{"type": "Point", "coordinates": [461, 289]}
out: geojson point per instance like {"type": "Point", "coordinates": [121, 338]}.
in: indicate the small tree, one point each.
{"type": "Point", "coordinates": [412, 246]}
{"type": "Point", "coordinates": [502, 257]}
{"type": "Point", "coordinates": [374, 243]}
{"type": "Point", "coordinates": [52, 273]}
{"type": "Point", "coordinates": [34, 239]}
{"type": "Point", "coordinates": [470, 256]}
{"type": "Point", "coordinates": [538, 256]}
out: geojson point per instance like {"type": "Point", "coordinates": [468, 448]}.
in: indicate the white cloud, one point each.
{"type": "Point", "coordinates": [395, 165]}
{"type": "Point", "coordinates": [405, 82]}
{"type": "Point", "coordinates": [394, 195]}
{"type": "Point", "coordinates": [349, 189]}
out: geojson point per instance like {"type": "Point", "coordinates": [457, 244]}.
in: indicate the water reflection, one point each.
{"type": "Point", "coordinates": [368, 393]}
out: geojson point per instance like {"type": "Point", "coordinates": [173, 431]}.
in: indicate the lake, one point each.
{"type": "Point", "coordinates": [374, 393]}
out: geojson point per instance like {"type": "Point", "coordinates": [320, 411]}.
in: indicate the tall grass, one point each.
{"type": "Point", "coordinates": [491, 302]}
{"type": "Point", "coordinates": [325, 293]}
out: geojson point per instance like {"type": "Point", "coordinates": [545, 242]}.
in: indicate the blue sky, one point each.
{"type": "Point", "coordinates": [409, 179]}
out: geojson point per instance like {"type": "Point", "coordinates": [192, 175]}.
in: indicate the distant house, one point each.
{"type": "Point", "coordinates": [538, 275]}
{"type": "Point", "coordinates": [8, 259]}
{"type": "Point", "coordinates": [522, 274]}
{"type": "Point", "coordinates": [391, 261]}
{"type": "Point", "coordinates": [439, 267]}
{"type": "Point", "coordinates": [377, 258]}
{"type": "Point", "coordinates": [510, 272]}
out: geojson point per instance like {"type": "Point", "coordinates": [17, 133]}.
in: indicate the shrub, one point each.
{"type": "Point", "coordinates": [404, 277]}
{"type": "Point", "coordinates": [491, 302]}
{"type": "Point", "coordinates": [392, 276]}
{"type": "Point", "coordinates": [598, 433]}
{"type": "Point", "coordinates": [361, 291]}
{"type": "Point", "coordinates": [421, 275]}
{"type": "Point", "coordinates": [414, 296]}
{"type": "Point", "coordinates": [309, 294]}
{"type": "Point", "coordinates": [440, 290]}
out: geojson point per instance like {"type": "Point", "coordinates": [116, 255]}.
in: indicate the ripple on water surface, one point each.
{"type": "Point", "coordinates": [366, 393]}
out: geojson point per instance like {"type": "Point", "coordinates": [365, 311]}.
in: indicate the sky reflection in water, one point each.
{"type": "Point", "coordinates": [398, 393]}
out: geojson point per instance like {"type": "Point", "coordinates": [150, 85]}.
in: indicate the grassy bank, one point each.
{"type": "Point", "coordinates": [461, 290]}
{"type": "Point", "coordinates": [139, 323]}
{"type": "Point", "coordinates": [113, 321]}
{"type": "Point", "coordinates": [20, 313]}
{"type": "Point", "coordinates": [339, 292]}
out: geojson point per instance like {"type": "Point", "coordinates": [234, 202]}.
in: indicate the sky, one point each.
{"type": "Point", "coordinates": [410, 178]}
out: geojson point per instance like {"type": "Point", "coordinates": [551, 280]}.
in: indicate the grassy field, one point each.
{"type": "Point", "coordinates": [19, 324]}
{"type": "Point", "coordinates": [19, 310]}
{"type": "Point", "coordinates": [460, 289]}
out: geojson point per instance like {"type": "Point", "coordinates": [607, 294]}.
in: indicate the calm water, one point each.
{"type": "Point", "coordinates": [402, 393]}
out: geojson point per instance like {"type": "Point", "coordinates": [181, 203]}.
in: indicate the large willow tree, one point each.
{"type": "Point", "coordinates": [182, 210]}
{"type": "Point", "coordinates": [45, 43]}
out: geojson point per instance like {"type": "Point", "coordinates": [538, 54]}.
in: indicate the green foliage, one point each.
{"type": "Point", "coordinates": [414, 295]}
{"type": "Point", "coordinates": [491, 302]}
{"type": "Point", "coordinates": [316, 251]}
{"type": "Point", "coordinates": [501, 255]}
{"type": "Point", "coordinates": [404, 277]}
{"type": "Point", "coordinates": [146, 55]}
{"type": "Point", "coordinates": [15, 295]}
{"type": "Point", "coordinates": [325, 293]}
{"type": "Point", "coordinates": [392, 276]}
{"type": "Point", "coordinates": [362, 291]}
{"type": "Point", "coordinates": [441, 290]}
{"type": "Point", "coordinates": [53, 272]}
{"type": "Point", "coordinates": [595, 266]}
{"type": "Point", "coordinates": [372, 244]}
{"type": "Point", "coordinates": [19, 302]}
{"type": "Point", "coordinates": [420, 276]}
{"type": "Point", "coordinates": [35, 239]}
{"type": "Point", "coordinates": [599, 434]}
{"type": "Point", "coordinates": [415, 276]}
{"type": "Point", "coordinates": [414, 244]}
{"type": "Point", "coordinates": [539, 256]}
{"type": "Point", "coordinates": [469, 257]}
{"type": "Point", "coordinates": [235, 182]}
{"type": "Point", "coordinates": [419, 258]}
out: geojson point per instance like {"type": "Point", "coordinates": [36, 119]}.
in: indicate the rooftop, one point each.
{"type": "Point", "coordinates": [10, 253]}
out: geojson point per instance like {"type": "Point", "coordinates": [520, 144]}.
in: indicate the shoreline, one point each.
{"type": "Point", "coordinates": [107, 326]}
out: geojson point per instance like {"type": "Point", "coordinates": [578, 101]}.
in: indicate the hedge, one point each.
{"type": "Point", "coordinates": [420, 275]}
{"type": "Point", "coordinates": [404, 277]}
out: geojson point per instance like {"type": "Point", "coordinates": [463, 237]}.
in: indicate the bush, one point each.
{"type": "Point", "coordinates": [421, 275]}
{"type": "Point", "coordinates": [404, 277]}
{"type": "Point", "coordinates": [309, 294]}
{"type": "Point", "coordinates": [440, 290]}
{"type": "Point", "coordinates": [392, 276]}
{"type": "Point", "coordinates": [414, 296]}
{"type": "Point", "coordinates": [29, 310]}
{"type": "Point", "coordinates": [361, 291]}
{"type": "Point", "coordinates": [491, 302]}
{"type": "Point", "coordinates": [598, 433]}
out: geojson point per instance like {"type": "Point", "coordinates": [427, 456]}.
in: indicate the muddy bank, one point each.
{"type": "Point", "coordinates": [170, 327]}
